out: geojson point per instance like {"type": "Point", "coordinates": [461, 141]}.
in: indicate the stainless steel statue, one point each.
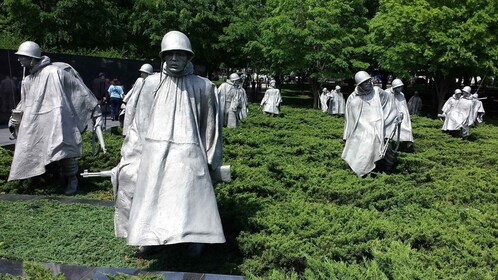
{"type": "Point", "coordinates": [457, 113]}
{"type": "Point", "coordinates": [174, 200]}
{"type": "Point", "coordinates": [323, 100]}
{"type": "Point", "coordinates": [124, 177]}
{"type": "Point", "coordinates": [131, 98]}
{"type": "Point", "coordinates": [272, 99]}
{"type": "Point", "coordinates": [335, 102]}
{"type": "Point", "coordinates": [54, 110]}
{"type": "Point", "coordinates": [233, 101]}
{"type": "Point", "coordinates": [478, 109]}
{"type": "Point", "coordinates": [405, 132]}
{"type": "Point", "coordinates": [371, 120]}
{"type": "Point", "coordinates": [415, 104]}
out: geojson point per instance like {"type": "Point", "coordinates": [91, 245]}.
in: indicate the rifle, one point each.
{"type": "Point", "coordinates": [106, 173]}
{"type": "Point", "coordinates": [97, 133]}
{"type": "Point", "coordinates": [391, 136]}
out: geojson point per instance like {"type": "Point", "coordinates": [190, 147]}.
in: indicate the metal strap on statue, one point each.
{"type": "Point", "coordinates": [391, 136]}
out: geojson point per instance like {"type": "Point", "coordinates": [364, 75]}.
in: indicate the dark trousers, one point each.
{"type": "Point", "coordinates": [115, 105]}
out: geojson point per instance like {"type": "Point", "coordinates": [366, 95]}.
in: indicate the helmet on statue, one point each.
{"type": "Point", "coordinates": [174, 41]}
{"type": "Point", "coordinates": [30, 49]}
{"type": "Point", "coordinates": [146, 68]}
{"type": "Point", "coordinates": [361, 76]}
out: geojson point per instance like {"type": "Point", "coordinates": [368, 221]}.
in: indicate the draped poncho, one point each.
{"type": "Point", "coordinates": [174, 199]}
{"type": "Point", "coordinates": [369, 118]}
{"type": "Point", "coordinates": [271, 101]}
{"type": "Point", "coordinates": [233, 104]}
{"type": "Point", "coordinates": [56, 108]}
{"type": "Point", "coordinates": [458, 113]}
{"type": "Point", "coordinates": [125, 174]}
{"type": "Point", "coordinates": [406, 134]}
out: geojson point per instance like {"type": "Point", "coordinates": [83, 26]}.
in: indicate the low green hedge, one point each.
{"type": "Point", "coordinates": [295, 209]}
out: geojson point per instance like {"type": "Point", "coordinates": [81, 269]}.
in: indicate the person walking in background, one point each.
{"type": "Point", "coordinates": [99, 88]}
{"type": "Point", "coordinates": [116, 95]}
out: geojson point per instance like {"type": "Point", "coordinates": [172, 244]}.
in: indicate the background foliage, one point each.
{"type": "Point", "coordinates": [295, 210]}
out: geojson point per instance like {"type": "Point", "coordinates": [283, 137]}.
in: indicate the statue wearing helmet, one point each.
{"type": "Point", "coordinates": [405, 131]}
{"type": "Point", "coordinates": [130, 100]}
{"type": "Point", "coordinates": [180, 159]}
{"type": "Point", "coordinates": [233, 101]}
{"type": "Point", "coordinates": [457, 112]}
{"type": "Point", "coordinates": [270, 103]}
{"type": "Point", "coordinates": [415, 104]}
{"type": "Point", "coordinates": [371, 119]}
{"type": "Point", "coordinates": [336, 102]}
{"type": "Point", "coordinates": [323, 99]}
{"type": "Point", "coordinates": [50, 129]}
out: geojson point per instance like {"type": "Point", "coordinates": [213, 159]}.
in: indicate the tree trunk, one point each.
{"type": "Point", "coordinates": [315, 88]}
{"type": "Point", "coordinates": [442, 86]}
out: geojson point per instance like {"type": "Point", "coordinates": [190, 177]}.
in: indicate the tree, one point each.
{"type": "Point", "coordinates": [319, 38]}
{"type": "Point", "coordinates": [447, 39]}
{"type": "Point", "coordinates": [67, 25]}
{"type": "Point", "coordinates": [201, 20]}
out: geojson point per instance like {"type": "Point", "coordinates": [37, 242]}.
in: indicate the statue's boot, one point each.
{"type": "Point", "coordinates": [72, 185]}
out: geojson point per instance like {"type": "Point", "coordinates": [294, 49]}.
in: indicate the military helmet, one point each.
{"type": "Point", "coordinates": [361, 76]}
{"type": "Point", "coordinates": [458, 91]}
{"type": "Point", "coordinates": [337, 87]}
{"type": "Point", "coordinates": [147, 68]}
{"type": "Point", "coordinates": [324, 89]}
{"type": "Point", "coordinates": [30, 49]}
{"type": "Point", "coordinates": [234, 77]}
{"type": "Point", "coordinates": [397, 83]}
{"type": "Point", "coordinates": [467, 89]}
{"type": "Point", "coordinates": [175, 40]}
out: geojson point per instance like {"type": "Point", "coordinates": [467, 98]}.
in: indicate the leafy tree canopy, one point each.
{"type": "Point", "coordinates": [445, 38]}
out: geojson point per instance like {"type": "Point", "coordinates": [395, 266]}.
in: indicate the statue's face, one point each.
{"type": "Point", "coordinates": [176, 61]}
{"type": "Point", "coordinates": [25, 61]}
{"type": "Point", "coordinates": [398, 90]}
{"type": "Point", "coordinates": [144, 75]}
{"type": "Point", "coordinates": [366, 85]}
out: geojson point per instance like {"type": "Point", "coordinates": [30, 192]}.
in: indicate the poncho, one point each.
{"type": "Point", "coordinates": [271, 101]}
{"type": "Point", "coordinates": [368, 120]}
{"type": "Point", "coordinates": [458, 113]}
{"type": "Point", "coordinates": [233, 104]}
{"type": "Point", "coordinates": [174, 200]}
{"type": "Point", "coordinates": [125, 174]}
{"type": "Point", "coordinates": [415, 105]}
{"type": "Point", "coordinates": [56, 107]}
{"type": "Point", "coordinates": [406, 134]}
{"type": "Point", "coordinates": [336, 103]}
{"type": "Point", "coordinates": [130, 100]}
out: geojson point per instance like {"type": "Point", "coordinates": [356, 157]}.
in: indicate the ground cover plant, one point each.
{"type": "Point", "coordinates": [295, 210]}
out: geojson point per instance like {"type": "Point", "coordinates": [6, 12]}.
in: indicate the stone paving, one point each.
{"type": "Point", "coordinates": [15, 268]}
